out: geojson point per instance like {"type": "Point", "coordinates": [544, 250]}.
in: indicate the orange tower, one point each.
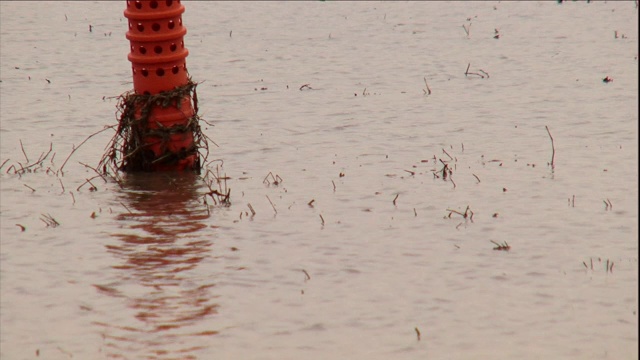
{"type": "Point", "coordinates": [165, 113]}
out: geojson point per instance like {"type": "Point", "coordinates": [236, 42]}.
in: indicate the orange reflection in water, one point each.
{"type": "Point", "coordinates": [167, 299]}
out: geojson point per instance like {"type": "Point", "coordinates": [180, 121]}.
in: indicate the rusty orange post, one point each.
{"type": "Point", "coordinates": [164, 110]}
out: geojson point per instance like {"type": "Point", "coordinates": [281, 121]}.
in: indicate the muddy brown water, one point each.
{"type": "Point", "coordinates": [147, 271]}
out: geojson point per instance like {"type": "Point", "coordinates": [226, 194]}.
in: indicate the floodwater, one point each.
{"type": "Point", "coordinates": [361, 249]}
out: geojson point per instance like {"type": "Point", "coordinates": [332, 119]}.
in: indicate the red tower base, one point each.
{"type": "Point", "coordinates": [158, 132]}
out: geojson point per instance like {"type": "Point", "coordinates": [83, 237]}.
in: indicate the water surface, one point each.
{"type": "Point", "coordinates": [357, 245]}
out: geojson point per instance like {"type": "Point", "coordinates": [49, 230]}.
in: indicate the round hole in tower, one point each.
{"type": "Point", "coordinates": [169, 3]}
{"type": "Point", "coordinates": [175, 69]}
{"type": "Point", "coordinates": [144, 72]}
{"type": "Point", "coordinates": [172, 24]}
{"type": "Point", "coordinates": [173, 47]}
{"type": "Point", "coordinates": [180, 21]}
{"type": "Point", "coordinates": [143, 50]}
{"type": "Point", "coordinates": [153, 4]}
{"type": "Point", "coordinates": [155, 27]}
{"type": "Point", "coordinates": [160, 72]}
{"type": "Point", "coordinates": [157, 49]}
{"type": "Point", "coordinates": [138, 4]}
{"type": "Point", "coordinates": [140, 27]}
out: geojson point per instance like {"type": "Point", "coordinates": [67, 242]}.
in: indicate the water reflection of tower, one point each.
{"type": "Point", "coordinates": [167, 297]}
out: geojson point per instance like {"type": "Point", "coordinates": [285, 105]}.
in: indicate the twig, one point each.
{"type": "Point", "coordinates": [334, 185]}
{"type": "Point", "coordinates": [457, 212]}
{"type": "Point", "coordinates": [25, 154]}
{"type": "Point", "coordinates": [276, 179]}
{"type": "Point", "coordinates": [553, 148]}
{"type": "Point", "coordinates": [504, 246]}
{"type": "Point", "coordinates": [444, 169]}
{"type": "Point", "coordinates": [573, 201]}
{"type": "Point", "coordinates": [95, 170]}
{"type": "Point", "coordinates": [417, 333]}
{"type": "Point", "coordinates": [32, 189]}
{"type": "Point", "coordinates": [322, 219]}
{"type": "Point", "coordinates": [394, 199]}
{"type": "Point", "coordinates": [466, 73]}
{"type": "Point", "coordinates": [214, 160]}
{"type": "Point", "coordinates": [273, 206]}
{"type": "Point", "coordinates": [39, 162]}
{"type": "Point", "coordinates": [266, 178]}
{"type": "Point", "coordinates": [428, 92]}
{"type": "Point", "coordinates": [84, 141]}
{"type": "Point", "coordinates": [73, 197]}
{"type": "Point", "coordinates": [308, 277]}
{"type": "Point", "coordinates": [70, 355]}
{"type": "Point", "coordinates": [41, 158]}
{"type": "Point", "coordinates": [4, 162]}
{"type": "Point", "coordinates": [310, 203]}
{"type": "Point", "coordinates": [477, 178]}
{"type": "Point", "coordinates": [49, 220]}
{"type": "Point", "coordinates": [125, 206]}
{"type": "Point", "coordinates": [467, 211]}
{"type": "Point", "coordinates": [93, 187]}
{"type": "Point", "coordinates": [467, 30]}
{"type": "Point", "coordinates": [445, 151]}
{"type": "Point", "coordinates": [253, 212]}
{"type": "Point", "coordinates": [223, 194]}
